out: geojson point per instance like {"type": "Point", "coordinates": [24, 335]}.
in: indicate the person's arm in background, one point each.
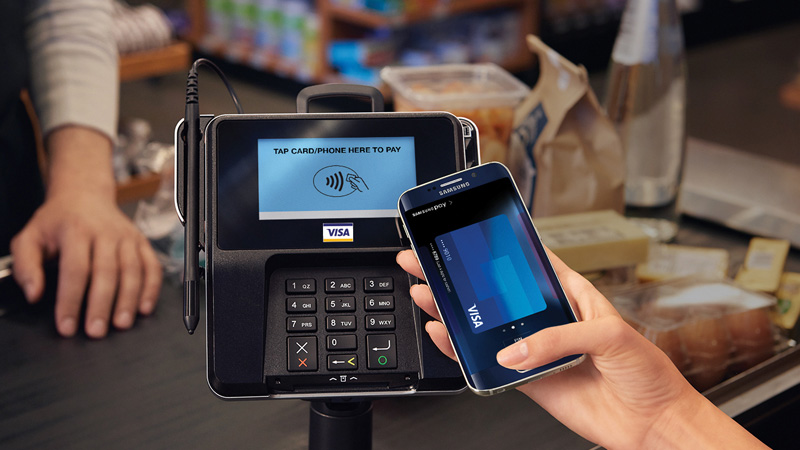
{"type": "Point", "coordinates": [627, 394]}
{"type": "Point", "coordinates": [74, 71]}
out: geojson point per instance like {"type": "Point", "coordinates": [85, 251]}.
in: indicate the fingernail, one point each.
{"type": "Point", "coordinates": [67, 326]}
{"type": "Point", "coordinates": [97, 328]}
{"type": "Point", "coordinates": [513, 354]}
{"type": "Point", "coordinates": [147, 308]}
{"type": "Point", "coordinates": [124, 319]}
{"type": "Point", "coordinates": [29, 289]}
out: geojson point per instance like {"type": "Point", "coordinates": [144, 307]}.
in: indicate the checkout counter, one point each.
{"type": "Point", "coordinates": [146, 388]}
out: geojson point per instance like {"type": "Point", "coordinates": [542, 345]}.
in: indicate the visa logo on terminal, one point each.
{"type": "Point", "coordinates": [337, 232]}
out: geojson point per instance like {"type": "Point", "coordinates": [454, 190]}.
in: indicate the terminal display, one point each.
{"type": "Point", "coordinates": [333, 178]}
{"type": "Point", "coordinates": [331, 181]}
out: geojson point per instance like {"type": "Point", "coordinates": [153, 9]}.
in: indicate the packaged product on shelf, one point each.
{"type": "Point", "coordinates": [267, 38]}
{"type": "Point", "coordinates": [377, 50]}
{"type": "Point", "coordinates": [494, 37]}
{"type": "Point", "coordinates": [484, 93]}
{"type": "Point", "coordinates": [666, 261]}
{"type": "Point", "coordinates": [219, 17]}
{"type": "Point", "coordinates": [385, 6]}
{"type": "Point", "coordinates": [788, 308]}
{"type": "Point", "coordinates": [594, 241]}
{"type": "Point", "coordinates": [244, 21]}
{"type": "Point", "coordinates": [565, 154]}
{"type": "Point", "coordinates": [710, 329]}
{"type": "Point", "coordinates": [309, 66]}
{"type": "Point", "coordinates": [763, 264]}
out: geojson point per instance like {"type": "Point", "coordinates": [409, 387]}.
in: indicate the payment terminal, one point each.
{"type": "Point", "coordinates": [298, 221]}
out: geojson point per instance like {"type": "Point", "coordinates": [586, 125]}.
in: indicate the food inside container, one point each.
{"type": "Point", "coordinates": [484, 93]}
{"type": "Point", "coordinates": [710, 329]}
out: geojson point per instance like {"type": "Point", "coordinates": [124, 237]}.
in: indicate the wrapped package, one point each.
{"type": "Point", "coordinates": [565, 154]}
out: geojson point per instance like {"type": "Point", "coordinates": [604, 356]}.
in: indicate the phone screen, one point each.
{"type": "Point", "coordinates": [487, 269]}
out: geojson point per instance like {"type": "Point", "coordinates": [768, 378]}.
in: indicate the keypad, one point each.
{"type": "Point", "coordinates": [355, 319]}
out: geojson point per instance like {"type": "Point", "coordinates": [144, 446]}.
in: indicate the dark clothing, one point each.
{"type": "Point", "coordinates": [21, 190]}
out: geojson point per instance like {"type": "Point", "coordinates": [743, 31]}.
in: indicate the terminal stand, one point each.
{"type": "Point", "coordinates": [340, 425]}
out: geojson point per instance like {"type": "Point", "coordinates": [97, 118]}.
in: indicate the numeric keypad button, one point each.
{"type": "Point", "coordinates": [340, 323]}
{"type": "Point", "coordinates": [340, 285]}
{"type": "Point", "coordinates": [340, 304]}
{"type": "Point", "coordinates": [381, 322]}
{"type": "Point", "coordinates": [379, 303]}
{"type": "Point", "coordinates": [378, 284]}
{"type": "Point", "coordinates": [301, 286]}
{"type": "Point", "coordinates": [304, 324]}
{"type": "Point", "coordinates": [341, 342]}
{"type": "Point", "coordinates": [301, 305]}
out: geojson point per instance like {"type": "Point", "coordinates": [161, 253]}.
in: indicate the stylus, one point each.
{"type": "Point", "coordinates": [190, 260]}
{"type": "Point", "coordinates": [191, 313]}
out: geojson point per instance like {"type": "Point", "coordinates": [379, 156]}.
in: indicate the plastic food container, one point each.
{"type": "Point", "coordinates": [710, 329]}
{"type": "Point", "coordinates": [484, 93]}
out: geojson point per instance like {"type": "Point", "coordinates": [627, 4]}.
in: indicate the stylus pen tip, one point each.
{"type": "Point", "coordinates": [191, 323]}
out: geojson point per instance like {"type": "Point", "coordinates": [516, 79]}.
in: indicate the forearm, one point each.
{"type": "Point", "coordinates": [694, 422]}
{"type": "Point", "coordinates": [79, 163]}
{"type": "Point", "coordinates": [74, 64]}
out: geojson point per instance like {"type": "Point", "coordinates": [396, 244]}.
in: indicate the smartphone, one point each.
{"type": "Point", "coordinates": [490, 276]}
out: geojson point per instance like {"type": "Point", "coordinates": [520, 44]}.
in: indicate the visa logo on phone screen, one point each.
{"type": "Point", "coordinates": [491, 274]}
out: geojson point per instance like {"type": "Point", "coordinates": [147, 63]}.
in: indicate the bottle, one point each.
{"type": "Point", "coordinates": [646, 100]}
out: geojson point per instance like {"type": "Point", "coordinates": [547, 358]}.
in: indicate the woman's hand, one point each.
{"type": "Point", "coordinates": [626, 394]}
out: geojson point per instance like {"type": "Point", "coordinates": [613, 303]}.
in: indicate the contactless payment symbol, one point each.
{"type": "Point", "coordinates": [337, 232]}
{"type": "Point", "coordinates": [338, 181]}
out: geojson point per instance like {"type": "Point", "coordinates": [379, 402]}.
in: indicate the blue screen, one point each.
{"type": "Point", "coordinates": [322, 178]}
{"type": "Point", "coordinates": [490, 272]}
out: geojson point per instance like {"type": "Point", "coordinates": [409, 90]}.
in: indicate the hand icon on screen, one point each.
{"type": "Point", "coordinates": [357, 183]}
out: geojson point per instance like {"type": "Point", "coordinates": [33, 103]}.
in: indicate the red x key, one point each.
{"type": "Point", "coordinates": [301, 352]}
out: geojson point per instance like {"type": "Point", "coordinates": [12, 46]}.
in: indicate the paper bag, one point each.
{"type": "Point", "coordinates": [565, 154]}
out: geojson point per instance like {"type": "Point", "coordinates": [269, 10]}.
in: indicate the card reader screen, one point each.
{"type": "Point", "coordinates": [333, 178]}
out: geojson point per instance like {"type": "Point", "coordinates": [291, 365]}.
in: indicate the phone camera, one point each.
{"type": "Point", "coordinates": [474, 174]}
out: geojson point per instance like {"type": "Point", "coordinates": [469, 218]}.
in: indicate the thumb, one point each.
{"type": "Point", "coordinates": [28, 271]}
{"type": "Point", "coordinates": [599, 337]}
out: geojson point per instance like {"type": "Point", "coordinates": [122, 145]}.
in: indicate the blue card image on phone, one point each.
{"type": "Point", "coordinates": [491, 274]}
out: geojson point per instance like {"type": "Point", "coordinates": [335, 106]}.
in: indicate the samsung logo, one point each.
{"type": "Point", "coordinates": [454, 188]}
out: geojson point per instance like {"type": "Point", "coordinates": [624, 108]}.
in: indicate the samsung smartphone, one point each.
{"type": "Point", "coordinates": [490, 276]}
